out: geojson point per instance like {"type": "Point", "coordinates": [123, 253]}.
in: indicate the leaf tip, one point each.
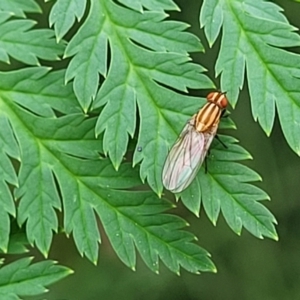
{"type": "Point", "coordinates": [233, 104]}
{"type": "Point", "coordinates": [70, 271]}
{"type": "Point", "coordinates": [268, 133]}
{"type": "Point", "coordinates": [133, 268]}
{"type": "Point", "coordinates": [45, 254]}
{"type": "Point", "coordinates": [196, 213]}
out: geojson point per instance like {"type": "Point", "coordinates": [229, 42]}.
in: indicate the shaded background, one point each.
{"type": "Point", "coordinates": [248, 268]}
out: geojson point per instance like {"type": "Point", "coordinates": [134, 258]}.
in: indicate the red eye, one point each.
{"type": "Point", "coordinates": [211, 96]}
{"type": "Point", "coordinates": [222, 101]}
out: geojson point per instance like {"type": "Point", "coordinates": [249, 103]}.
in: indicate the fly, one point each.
{"type": "Point", "coordinates": [188, 153]}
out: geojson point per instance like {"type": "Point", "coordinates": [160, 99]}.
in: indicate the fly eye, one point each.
{"type": "Point", "coordinates": [223, 102]}
{"type": "Point", "coordinates": [211, 96]}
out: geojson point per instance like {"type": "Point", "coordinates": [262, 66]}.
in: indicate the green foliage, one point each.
{"type": "Point", "coordinates": [24, 44]}
{"type": "Point", "coordinates": [64, 134]}
{"type": "Point", "coordinates": [17, 8]}
{"type": "Point", "coordinates": [18, 243]}
{"type": "Point", "coordinates": [65, 150]}
{"type": "Point", "coordinates": [252, 34]}
{"type": "Point", "coordinates": [22, 279]}
{"type": "Point", "coordinates": [139, 5]}
{"type": "Point", "coordinates": [63, 15]}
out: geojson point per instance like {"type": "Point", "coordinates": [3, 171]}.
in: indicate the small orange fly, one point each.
{"type": "Point", "coordinates": [188, 153]}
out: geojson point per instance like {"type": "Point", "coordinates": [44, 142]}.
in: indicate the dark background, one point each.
{"type": "Point", "coordinates": [248, 268]}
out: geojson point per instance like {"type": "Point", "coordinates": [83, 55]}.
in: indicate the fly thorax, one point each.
{"type": "Point", "coordinates": [207, 117]}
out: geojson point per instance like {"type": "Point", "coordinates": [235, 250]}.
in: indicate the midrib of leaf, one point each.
{"type": "Point", "coordinates": [63, 167]}
{"type": "Point", "coordinates": [85, 77]}
{"type": "Point", "coordinates": [116, 25]}
{"type": "Point", "coordinates": [88, 241]}
{"type": "Point", "coordinates": [46, 151]}
{"type": "Point", "coordinates": [239, 204]}
{"type": "Point", "coordinates": [121, 231]}
{"type": "Point", "coordinates": [260, 58]}
{"type": "Point", "coordinates": [119, 116]}
{"type": "Point", "coordinates": [11, 282]}
{"type": "Point", "coordinates": [134, 69]}
{"type": "Point", "coordinates": [44, 219]}
{"type": "Point", "coordinates": [157, 124]}
{"type": "Point", "coordinates": [148, 233]}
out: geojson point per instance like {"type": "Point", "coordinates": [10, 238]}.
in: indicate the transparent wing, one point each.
{"type": "Point", "coordinates": [186, 157]}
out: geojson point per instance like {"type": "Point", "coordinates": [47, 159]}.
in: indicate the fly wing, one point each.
{"type": "Point", "coordinates": [186, 157]}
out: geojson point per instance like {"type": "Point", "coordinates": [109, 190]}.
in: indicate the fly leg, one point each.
{"type": "Point", "coordinates": [221, 142]}
{"type": "Point", "coordinates": [205, 162]}
{"type": "Point", "coordinates": [225, 113]}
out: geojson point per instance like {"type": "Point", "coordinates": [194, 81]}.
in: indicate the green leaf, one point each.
{"type": "Point", "coordinates": [43, 93]}
{"type": "Point", "coordinates": [135, 222]}
{"type": "Point", "coordinates": [9, 148]}
{"type": "Point", "coordinates": [18, 243]}
{"type": "Point", "coordinates": [150, 4]}
{"type": "Point", "coordinates": [36, 180]}
{"type": "Point", "coordinates": [22, 279]}
{"type": "Point", "coordinates": [18, 8]}
{"type": "Point", "coordinates": [61, 167]}
{"type": "Point", "coordinates": [147, 54]}
{"type": "Point", "coordinates": [226, 187]}
{"type": "Point", "coordinates": [253, 34]}
{"type": "Point", "coordinates": [63, 15]}
{"type": "Point", "coordinates": [25, 44]}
